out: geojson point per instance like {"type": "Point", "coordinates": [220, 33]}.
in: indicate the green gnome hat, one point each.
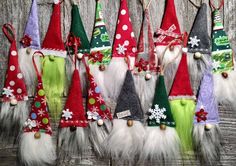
{"type": "Point", "coordinates": [100, 43]}
{"type": "Point", "coordinates": [160, 113]}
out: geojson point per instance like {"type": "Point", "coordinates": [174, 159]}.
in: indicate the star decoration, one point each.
{"type": "Point", "coordinates": [194, 41]}
{"type": "Point", "coordinates": [121, 49]}
{"type": "Point", "coordinates": [93, 115]}
{"type": "Point", "coordinates": [30, 123]}
{"type": "Point", "coordinates": [67, 114]}
{"type": "Point", "coordinates": [8, 92]}
{"type": "Point", "coordinates": [90, 92]}
{"type": "Point", "coordinates": [38, 124]}
{"type": "Point", "coordinates": [100, 99]}
{"type": "Point", "coordinates": [44, 100]}
{"type": "Point", "coordinates": [215, 65]}
{"type": "Point", "coordinates": [201, 115]}
{"type": "Point", "coordinates": [49, 129]}
{"type": "Point", "coordinates": [157, 113]}
{"type": "Point", "coordinates": [94, 109]}
{"type": "Point", "coordinates": [41, 112]}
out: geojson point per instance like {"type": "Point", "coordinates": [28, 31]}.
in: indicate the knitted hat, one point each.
{"type": "Point", "coordinates": [100, 42]}
{"type": "Point", "coordinates": [160, 113]}
{"type": "Point", "coordinates": [199, 40]}
{"type": "Point", "coordinates": [77, 29]}
{"type": "Point", "coordinates": [128, 104]}
{"type": "Point", "coordinates": [207, 107]}
{"type": "Point", "coordinates": [53, 43]}
{"type": "Point", "coordinates": [14, 88]}
{"type": "Point", "coordinates": [124, 43]}
{"type": "Point", "coordinates": [170, 26]}
{"type": "Point", "coordinates": [73, 114]}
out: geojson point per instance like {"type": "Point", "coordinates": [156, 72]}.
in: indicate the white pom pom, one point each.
{"type": "Point", "coordinates": [56, 1]}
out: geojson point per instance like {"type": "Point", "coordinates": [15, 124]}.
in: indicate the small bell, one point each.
{"type": "Point", "coordinates": [72, 128]}
{"type": "Point", "coordinates": [102, 67]}
{"type": "Point", "coordinates": [224, 74]}
{"type": "Point", "coordinates": [28, 50]}
{"type": "Point", "coordinates": [51, 57]}
{"type": "Point", "coordinates": [208, 127]}
{"type": "Point", "coordinates": [37, 135]}
{"type": "Point", "coordinates": [13, 102]}
{"type": "Point", "coordinates": [197, 55]}
{"type": "Point", "coordinates": [130, 123]}
{"type": "Point", "coordinates": [100, 122]}
{"type": "Point", "coordinates": [163, 127]}
{"type": "Point", "coordinates": [80, 56]}
{"type": "Point", "coordinates": [148, 76]}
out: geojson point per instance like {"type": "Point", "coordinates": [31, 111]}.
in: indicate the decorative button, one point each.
{"type": "Point", "coordinates": [225, 75]}
{"type": "Point", "coordinates": [163, 127]}
{"type": "Point", "coordinates": [51, 57]}
{"type": "Point", "coordinates": [208, 127]}
{"type": "Point", "coordinates": [28, 50]}
{"type": "Point", "coordinates": [130, 123]}
{"type": "Point", "coordinates": [102, 67]}
{"type": "Point", "coordinates": [13, 102]}
{"type": "Point", "coordinates": [37, 135]}
{"type": "Point", "coordinates": [148, 76]}
{"type": "Point", "coordinates": [100, 122]}
{"type": "Point", "coordinates": [80, 56]}
{"type": "Point", "coordinates": [183, 102]}
{"type": "Point", "coordinates": [197, 55]}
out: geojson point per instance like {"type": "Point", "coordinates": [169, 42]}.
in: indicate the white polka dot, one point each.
{"type": "Point", "coordinates": [19, 75]}
{"type": "Point", "coordinates": [126, 42]}
{"type": "Point", "coordinates": [134, 50]}
{"type": "Point", "coordinates": [12, 68]}
{"type": "Point", "coordinates": [123, 12]}
{"type": "Point", "coordinates": [19, 90]}
{"type": "Point", "coordinates": [12, 83]}
{"type": "Point", "coordinates": [13, 53]}
{"type": "Point", "coordinates": [129, 20]}
{"type": "Point", "coordinates": [124, 27]}
{"type": "Point", "coordinates": [132, 34]}
{"type": "Point", "coordinates": [118, 36]}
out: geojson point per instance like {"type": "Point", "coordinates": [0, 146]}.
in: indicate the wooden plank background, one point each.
{"type": "Point", "coordinates": [16, 12]}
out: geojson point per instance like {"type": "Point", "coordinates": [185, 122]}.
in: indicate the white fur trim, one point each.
{"type": "Point", "coordinates": [57, 53]}
{"type": "Point", "coordinates": [182, 97]}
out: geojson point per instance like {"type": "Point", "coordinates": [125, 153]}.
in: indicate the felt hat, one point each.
{"type": "Point", "coordinates": [199, 40]}
{"type": "Point", "coordinates": [53, 43]}
{"type": "Point", "coordinates": [14, 86]}
{"type": "Point", "coordinates": [160, 112]}
{"type": "Point", "coordinates": [73, 114]}
{"type": "Point", "coordinates": [124, 42]}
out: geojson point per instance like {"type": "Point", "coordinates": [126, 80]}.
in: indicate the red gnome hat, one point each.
{"type": "Point", "coordinates": [125, 42]}
{"type": "Point", "coordinates": [170, 26]}
{"type": "Point", "coordinates": [14, 88]}
{"type": "Point", "coordinates": [73, 114]}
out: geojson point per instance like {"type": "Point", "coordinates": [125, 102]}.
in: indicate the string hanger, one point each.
{"type": "Point", "coordinates": [194, 4]}
{"type": "Point", "coordinates": [214, 7]}
{"type": "Point", "coordinates": [145, 6]}
{"type": "Point", "coordinates": [9, 31]}
{"type": "Point", "coordinates": [35, 66]}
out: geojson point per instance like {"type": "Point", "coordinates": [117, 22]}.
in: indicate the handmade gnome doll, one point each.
{"type": "Point", "coordinates": [14, 108]}
{"type": "Point", "coordinates": [53, 64]}
{"type": "Point", "coordinates": [73, 134]}
{"type": "Point", "coordinates": [223, 62]}
{"type": "Point", "coordinates": [206, 132]}
{"type": "Point", "coordinates": [36, 145]}
{"type": "Point", "coordinates": [126, 138]}
{"type": "Point", "coordinates": [182, 102]}
{"type": "Point", "coordinates": [124, 46]}
{"type": "Point", "coordinates": [98, 114]}
{"type": "Point", "coordinates": [30, 42]}
{"type": "Point", "coordinates": [199, 47]}
{"type": "Point", "coordinates": [145, 70]}
{"type": "Point", "coordinates": [100, 55]}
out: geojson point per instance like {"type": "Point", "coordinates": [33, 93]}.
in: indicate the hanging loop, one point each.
{"type": "Point", "coordinates": [195, 4]}
{"type": "Point", "coordinates": [214, 7]}
{"type": "Point", "coordinates": [35, 66]}
{"type": "Point", "coordinates": [9, 31]}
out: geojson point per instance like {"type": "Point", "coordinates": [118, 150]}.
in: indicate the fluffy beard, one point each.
{"type": "Point", "coordinates": [98, 134]}
{"type": "Point", "coordinates": [161, 145]}
{"type": "Point", "coordinates": [125, 142]}
{"type": "Point", "coordinates": [36, 152]}
{"type": "Point", "coordinates": [207, 144]}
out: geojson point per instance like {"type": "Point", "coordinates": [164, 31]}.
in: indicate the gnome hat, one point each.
{"type": "Point", "coordinates": [170, 26]}
{"type": "Point", "coordinates": [14, 87]}
{"type": "Point", "coordinates": [31, 35]}
{"type": "Point", "coordinates": [199, 40]}
{"type": "Point", "coordinates": [128, 104]}
{"type": "Point", "coordinates": [73, 114]}
{"type": "Point", "coordinates": [160, 113]}
{"type": "Point", "coordinates": [207, 107]}
{"type": "Point", "coordinates": [124, 43]}
{"type": "Point", "coordinates": [53, 43]}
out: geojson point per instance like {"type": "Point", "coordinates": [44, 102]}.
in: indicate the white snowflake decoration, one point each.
{"type": "Point", "coordinates": [194, 41]}
{"type": "Point", "coordinates": [93, 115]}
{"type": "Point", "coordinates": [121, 49]}
{"type": "Point", "coordinates": [30, 123]}
{"type": "Point", "coordinates": [67, 114]}
{"type": "Point", "coordinates": [41, 113]}
{"type": "Point", "coordinates": [215, 65]}
{"type": "Point", "coordinates": [157, 113]}
{"type": "Point", "coordinates": [8, 92]}
{"type": "Point", "coordinates": [49, 129]}
{"type": "Point", "coordinates": [100, 99]}
{"type": "Point", "coordinates": [90, 92]}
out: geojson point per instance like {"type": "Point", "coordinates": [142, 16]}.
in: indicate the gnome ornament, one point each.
{"type": "Point", "coordinates": [124, 46]}
{"type": "Point", "coordinates": [73, 134]}
{"type": "Point", "coordinates": [14, 108]}
{"type": "Point", "coordinates": [161, 143]}
{"type": "Point", "coordinates": [30, 42]}
{"type": "Point", "coordinates": [53, 64]}
{"type": "Point", "coordinates": [126, 138]}
{"type": "Point", "coordinates": [199, 47]}
{"type": "Point", "coordinates": [98, 114]}
{"type": "Point", "coordinates": [36, 145]}
{"type": "Point", "coordinates": [206, 131]}
{"type": "Point", "coordinates": [223, 62]}
{"type": "Point", "coordinates": [182, 102]}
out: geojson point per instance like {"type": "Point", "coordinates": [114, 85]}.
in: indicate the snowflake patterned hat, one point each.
{"type": "Point", "coordinates": [100, 43]}
{"type": "Point", "coordinates": [199, 40]}
{"type": "Point", "coordinates": [124, 43]}
{"type": "Point", "coordinates": [128, 104]}
{"type": "Point", "coordinates": [169, 27]}
{"type": "Point", "coordinates": [31, 35]}
{"type": "Point", "coordinates": [160, 113]}
{"type": "Point", "coordinates": [73, 114]}
{"type": "Point", "coordinates": [14, 88]}
{"type": "Point", "coordinates": [53, 43]}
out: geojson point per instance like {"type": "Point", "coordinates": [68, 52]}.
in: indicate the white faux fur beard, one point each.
{"type": "Point", "coordinates": [36, 152]}
{"type": "Point", "coordinates": [207, 144]}
{"type": "Point", "coordinates": [162, 146]}
{"type": "Point", "coordinates": [125, 143]}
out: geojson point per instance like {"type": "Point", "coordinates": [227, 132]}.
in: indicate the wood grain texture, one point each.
{"type": "Point", "coordinates": [16, 12]}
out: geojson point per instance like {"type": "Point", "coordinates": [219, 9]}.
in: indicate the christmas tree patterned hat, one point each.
{"type": "Point", "coordinates": [100, 43]}
{"type": "Point", "coordinates": [37, 130]}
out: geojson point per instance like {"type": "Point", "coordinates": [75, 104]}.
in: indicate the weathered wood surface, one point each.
{"type": "Point", "coordinates": [16, 12]}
